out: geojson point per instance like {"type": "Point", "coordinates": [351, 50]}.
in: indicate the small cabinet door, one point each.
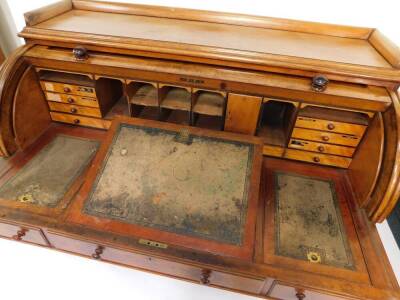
{"type": "Point", "coordinates": [242, 113]}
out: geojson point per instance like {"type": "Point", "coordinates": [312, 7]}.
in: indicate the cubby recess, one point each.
{"type": "Point", "coordinates": [143, 99]}
{"type": "Point", "coordinates": [175, 104]}
{"type": "Point", "coordinates": [275, 121]}
{"type": "Point", "coordinates": [208, 109]}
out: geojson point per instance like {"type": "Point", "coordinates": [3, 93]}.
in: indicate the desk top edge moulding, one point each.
{"type": "Point", "coordinates": [247, 153]}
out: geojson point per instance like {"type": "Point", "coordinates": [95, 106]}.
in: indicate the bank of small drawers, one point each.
{"type": "Point", "coordinates": [74, 104]}
{"type": "Point", "coordinates": [324, 142]}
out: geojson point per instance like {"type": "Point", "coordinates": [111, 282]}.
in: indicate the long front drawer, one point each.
{"type": "Point", "coordinates": [68, 88]}
{"type": "Point", "coordinates": [72, 99]}
{"type": "Point", "coordinates": [80, 120]}
{"type": "Point", "coordinates": [23, 233]}
{"type": "Point", "coordinates": [154, 264]}
{"type": "Point", "coordinates": [326, 137]}
{"type": "Point", "coordinates": [321, 147]}
{"type": "Point", "coordinates": [322, 159]}
{"type": "Point", "coordinates": [75, 109]}
{"type": "Point", "coordinates": [338, 127]}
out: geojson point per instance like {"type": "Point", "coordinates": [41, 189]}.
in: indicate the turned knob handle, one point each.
{"type": "Point", "coordinates": [319, 83]}
{"type": "Point", "coordinates": [316, 159]}
{"type": "Point", "coordinates": [300, 294]}
{"type": "Point", "coordinates": [74, 110]}
{"type": "Point", "coordinates": [97, 253]}
{"type": "Point", "coordinates": [331, 126]}
{"type": "Point", "coordinates": [67, 90]}
{"type": "Point", "coordinates": [77, 121]}
{"type": "Point", "coordinates": [70, 100]}
{"type": "Point", "coordinates": [205, 277]}
{"type": "Point", "coordinates": [80, 53]}
{"type": "Point", "coordinates": [325, 138]}
{"type": "Point", "coordinates": [321, 148]}
{"type": "Point", "coordinates": [20, 233]}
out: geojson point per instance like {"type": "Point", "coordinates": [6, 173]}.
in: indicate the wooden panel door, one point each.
{"type": "Point", "coordinates": [242, 113]}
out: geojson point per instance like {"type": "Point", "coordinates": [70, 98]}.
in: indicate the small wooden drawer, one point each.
{"type": "Point", "coordinates": [322, 159]}
{"type": "Point", "coordinates": [326, 137]}
{"type": "Point", "coordinates": [23, 233]}
{"type": "Point", "coordinates": [72, 99]}
{"type": "Point", "coordinates": [321, 147]}
{"type": "Point", "coordinates": [68, 88]}
{"type": "Point", "coordinates": [75, 109]}
{"type": "Point", "coordinates": [80, 120]}
{"type": "Point", "coordinates": [319, 124]}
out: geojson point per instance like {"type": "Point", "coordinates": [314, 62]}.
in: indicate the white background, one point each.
{"type": "Point", "coordinates": [29, 272]}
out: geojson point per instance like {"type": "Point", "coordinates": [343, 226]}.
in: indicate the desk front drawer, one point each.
{"type": "Point", "coordinates": [75, 109]}
{"type": "Point", "coordinates": [322, 159]}
{"type": "Point", "coordinates": [80, 120]}
{"type": "Point", "coordinates": [23, 233]}
{"type": "Point", "coordinates": [331, 126]}
{"type": "Point", "coordinates": [72, 99]}
{"type": "Point", "coordinates": [321, 147]}
{"type": "Point", "coordinates": [68, 88]}
{"type": "Point", "coordinates": [136, 260]}
{"type": "Point", "coordinates": [326, 137]}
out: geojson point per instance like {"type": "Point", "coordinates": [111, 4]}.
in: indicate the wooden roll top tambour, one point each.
{"type": "Point", "coordinates": [320, 99]}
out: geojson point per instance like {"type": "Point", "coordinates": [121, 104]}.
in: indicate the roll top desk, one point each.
{"type": "Point", "coordinates": [321, 99]}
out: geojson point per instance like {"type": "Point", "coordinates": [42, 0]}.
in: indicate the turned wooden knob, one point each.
{"type": "Point", "coordinates": [319, 83]}
{"type": "Point", "coordinates": [300, 294]}
{"type": "Point", "coordinates": [321, 148]}
{"type": "Point", "coordinates": [67, 90]}
{"type": "Point", "coordinates": [316, 159]}
{"type": "Point", "coordinates": [21, 233]}
{"type": "Point", "coordinates": [205, 277]}
{"type": "Point", "coordinates": [97, 253]}
{"type": "Point", "coordinates": [77, 121]}
{"type": "Point", "coordinates": [70, 100]}
{"type": "Point", "coordinates": [74, 110]}
{"type": "Point", "coordinates": [80, 53]}
{"type": "Point", "coordinates": [325, 138]}
{"type": "Point", "coordinates": [331, 126]}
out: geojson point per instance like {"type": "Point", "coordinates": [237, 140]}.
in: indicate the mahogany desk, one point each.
{"type": "Point", "coordinates": [320, 100]}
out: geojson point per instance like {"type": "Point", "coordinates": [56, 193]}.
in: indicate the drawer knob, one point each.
{"type": "Point", "coordinates": [70, 100]}
{"type": "Point", "coordinates": [319, 83]}
{"type": "Point", "coordinates": [20, 234]}
{"type": "Point", "coordinates": [77, 121]}
{"type": "Point", "coordinates": [321, 148]}
{"type": "Point", "coordinates": [331, 126]}
{"type": "Point", "coordinates": [67, 90]}
{"type": "Point", "coordinates": [98, 252]}
{"type": "Point", "coordinates": [205, 276]}
{"type": "Point", "coordinates": [300, 294]}
{"type": "Point", "coordinates": [316, 159]}
{"type": "Point", "coordinates": [74, 110]}
{"type": "Point", "coordinates": [325, 138]}
{"type": "Point", "coordinates": [80, 53]}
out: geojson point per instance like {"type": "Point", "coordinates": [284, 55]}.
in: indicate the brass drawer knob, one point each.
{"type": "Point", "coordinates": [319, 83]}
{"type": "Point", "coordinates": [20, 234]}
{"type": "Point", "coordinates": [321, 148]}
{"type": "Point", "coordinates": [331, 126]}
{"type": "Point", "coordinates": [98, 252]}
{"type": "Point", "coordinates": [325, 138]}
{"type": "Point", "coordinates": [70, 100]}
{"type": "Point", "coordinates": [316, 159]}
{"type": "Point", "coordinates": [74, 110]}
{"type": "Point", "coordinates": [67, 90]}
{"type": "Point", "coordinates": [80, 53]}
{"type": "Point", "coordinates": [77, 121]}
{"type": "Point", "coordinates": [205, 276]}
